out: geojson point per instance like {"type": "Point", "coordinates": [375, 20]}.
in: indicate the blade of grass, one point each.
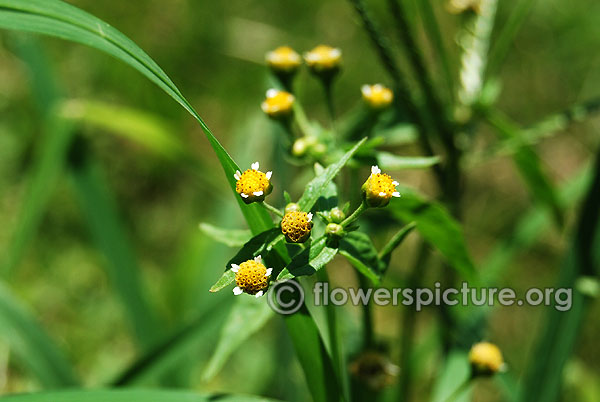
{"type": "Point", "coordinates": [31, 345]}
{"type": "Point", "coordinates": [109, 235]}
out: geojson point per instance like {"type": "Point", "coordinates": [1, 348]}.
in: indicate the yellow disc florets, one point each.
{"type": "Point", "coordinates": [278, 103]}
{"type": "Point", "coordinates": [296, 226]}
{"type": "Point", "coordinates": [253, 185]}
{"type": "Point", "coordinates": [377, 96]}
{"type": "Point", "coordinates": [486, 358]}
{"type": "Point", "coordinates": [283, 59]}
{"type": "Point", "coordinates": [379, 188]}
{"type": "Point", "coordinates": [251, 277]}
{"type": "Point", "coordinates": [323, 58]}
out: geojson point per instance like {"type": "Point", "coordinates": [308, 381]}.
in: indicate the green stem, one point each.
{"type": "Point", "coordinates": [361, 208]}
{"type": "Point", "coordinates": [391, 245]}
{"type": "Point", "coordinates": [367, 316]}
{"type": "Point", "coordinates": [302, 120]}
{"type": "Point", "coordinates": [328, 90]}
{"type": "Point", "coordinates": [271, 208]}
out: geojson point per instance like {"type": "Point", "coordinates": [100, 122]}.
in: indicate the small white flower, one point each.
{"type": "Point", "coordinates": [375, 169]}
{"type": "Point", "coordinates": [366, 90]}
{"type": "Point", "coordinates": [255, 166]}
{"type": "Point", "coordinates": [235, 267]}
{"type": "Point", "coordinates": [237, 291]}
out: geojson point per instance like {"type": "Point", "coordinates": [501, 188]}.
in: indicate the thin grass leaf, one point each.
{"type": "Point", "coordinates": [389, 161]}
{"type": "Point", "coordinates": [109, 236]}
{"type": "Point", "coordinates": [451, 383]}
{"type": "Point", "coordinates": [31, 345]}
{"type": "Point", "coordinates": [229, 237]}
{"type": "Point", "coordinates": [437, 227]}
{"type": "Point", "coordinates": [125, 395]}
{"type": "Point", "coordinates": [249, 315]}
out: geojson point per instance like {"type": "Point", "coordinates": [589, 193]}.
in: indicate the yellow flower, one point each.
{"type": "Point", "coordinates": [377, 96]}
{"type": "Point", "coordinates": [486, 358]}
{"type": "Point", "coordinates": [278, 103]}
{"type": "Point", "coordinates": [296, 226]}
{"type": "Point", "coordinates": [323, 58]}
{"type": "Point", "coordinates": [251, 277]}
{"type": "Point", "coordinates": [283, 59]}
{"type": "Point", "coordinates": [379, 188]}
{"type": "Point", "coordinates": [253, 185]}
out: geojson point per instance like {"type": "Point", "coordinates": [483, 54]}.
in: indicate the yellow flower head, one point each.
{"type": "Point", "coordinates": [379, 188]}
{"type": "Point", "coordinates": [283, 59]}
{"type": "Point", "coordinates": [251, 277]}
{"type": "Point", "coordinates": [253, 185]}
{"type": "Point", "coordinates": [296, 226]}
{"type": "Point", "coordinates": [278, 103]}
{"type": "Point", "coordinates": [323, 58]}
{"type": "Point", "coordinates": [377, 96]}
{"type": "Point", "coordinates": [486, 358]}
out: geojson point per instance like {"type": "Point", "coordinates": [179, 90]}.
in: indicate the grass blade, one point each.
{"type": "Point", "coordinates": [32, 346]}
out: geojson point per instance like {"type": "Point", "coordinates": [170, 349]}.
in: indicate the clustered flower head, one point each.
{"type": "Point", "coordinates": [284, 59]}
{"type": "Point", "coordinates": [379, 188]}
{"type": "Point", "coordinates": [251, 277]}
{"type": "Point", "coordinates": [486, 359]}
{"type": "Point", "coordinates": [253, 185]}
{"type": "Point", "coordinates": [296, 226]}
{"type": "Point", "coordinates": [377, 96]}
{"type": "Point", "coordinates": [323, 58]}
{"type": "Point", "coordinates": [278, 103]}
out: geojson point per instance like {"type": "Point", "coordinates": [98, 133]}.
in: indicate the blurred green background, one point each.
{"type": "Point", "coordinates": [214, 52]}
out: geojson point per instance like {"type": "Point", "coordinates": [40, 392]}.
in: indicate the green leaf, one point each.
{"type": "Point", "coordinates": [249, 314]}
{"type": "Point", "coordinates": [229, 237]}
{"type": "Point", "coordinates": [126, 395]}
{"type": "Point", "coordinates": [386, 253]}
{"type": "Point", "coordinates": [109, 236]}
{"type": "Point", "coordinates": [451, 384]}
{"type": "Point", "coordinates": [254, 247]}
{"type": "Point", "coordinates": [61, 20]}
{"type": "Point", "coordinates": [31, 345]}
{"type": "Point", "coordinates": [309, 261]}
{"type": "Point", "coordinates": [358, 248]}
{"type": "Point", "coordinates": [437, 227]}
{"type": "Point", "coordinates": [318, 186]}
{"type": "Point", "coordinates": [390, 161]}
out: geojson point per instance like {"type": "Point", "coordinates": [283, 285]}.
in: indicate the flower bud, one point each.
{"type": "Point", "coordinates": [324, 61]}
{"type": "Point", "coordinates": [335, 230]}
{"type": "Point", "coordinates": [379, 189]}
{"type": "Point", "coordinates": [336, 215]}
{"type": "Point", "coordinates": [486, 359]}
{"type": "Point", "coordinates": [292, 207]}
{"type": "Point", "coordinates": [284, 60]}
{"type": "Point", "coordinates": [377, 96]}
{"type": "Point", "coordinates": [253, 185]}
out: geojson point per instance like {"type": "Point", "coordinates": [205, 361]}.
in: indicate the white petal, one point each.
{"type": "Point", "coordinates": [255, 166]}
{"type": "Point", "coordinates": [258, 259]}
{"type": "Point", "coordinates": [268, 174]}
{"type": "Point", "coordinates": [309, 216]}
{"type": "Point", "coordinates": [235, 267]}
{"type": "Point", "coordinates": [395, 194]}
{"type": "Point", "coordinates": [366, 90]}
{"type": "Point", "coordinates": [237, 175]}
{"type": "Point", "coordinates": [258, 193]}
{"type": "Point", "coordinates": [259, 294]}
{"type": "Point", "coordinates": [395, 183]}
{"type": "Point", "coordinates": [272, 92]}
{"type": "Point", "coordinates": [336, 52]}
{"type": "Point", "coordinates": [382, 194]}
{"type": "Point", "coordinates": [237, 291]}
{"type": "Point", "coordinates": [269, 270]}
{"type": "Point", "coordinates": [375, 169]}
{"type": "Point", "coordinates": [244, 195]}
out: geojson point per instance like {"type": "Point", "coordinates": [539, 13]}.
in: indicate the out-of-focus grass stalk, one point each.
{"type": "Point", "coordinates": [434, 34]}
{"type": "Point", "coordinates": [474, 41]}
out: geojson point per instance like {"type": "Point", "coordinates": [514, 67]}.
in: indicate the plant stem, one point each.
{"type": "Point", "coordinates": [367, 316]}
{"type": "Point", "coordinates": [328, 90]}
{"type": "Point", "coordinates": [272, 209]}
{"type": "Point", "coordinates": [361, 208]}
